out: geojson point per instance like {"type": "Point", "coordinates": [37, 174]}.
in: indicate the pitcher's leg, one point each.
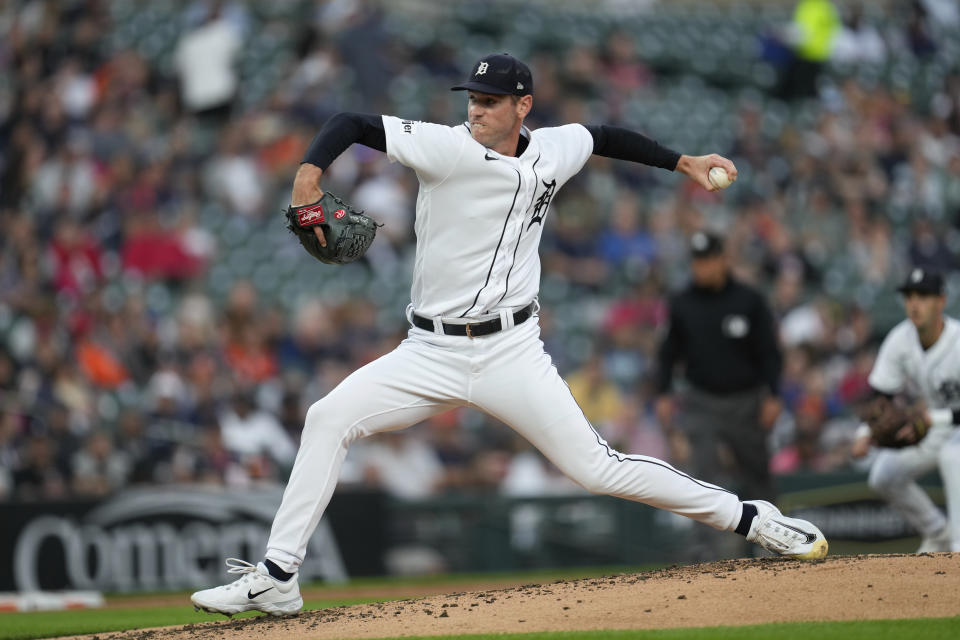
{"type": "Point", "coordinates": [529, 395]}
{"type": "Point", "coordinates": [525, 391]}
{"type": "Point", "coordinates": [574, 446]}
{"type": "Point", "coordinates": [393, 392]}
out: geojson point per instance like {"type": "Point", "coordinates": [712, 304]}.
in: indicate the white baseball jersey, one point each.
{"type": "Point", "coordinates": [933, 374]}
{"type": "Point", "coordinates": [477, 258]}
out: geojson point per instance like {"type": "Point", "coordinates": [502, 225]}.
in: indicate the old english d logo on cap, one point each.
{"type": "Point", "coordinates": [501, 74]}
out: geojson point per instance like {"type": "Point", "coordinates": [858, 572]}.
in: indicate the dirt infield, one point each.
{"type": "Point", "coordinates": [734, 592]}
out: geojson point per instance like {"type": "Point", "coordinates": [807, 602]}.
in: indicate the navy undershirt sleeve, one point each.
{"type": "Point", "coordinates": [341, 131]}
{"type": "Point", "coordinates": [624, 144]}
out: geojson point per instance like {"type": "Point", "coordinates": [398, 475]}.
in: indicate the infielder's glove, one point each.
{"type": "Point", "coordinates": [348, 232]}
{"type": "Point", "coordinates": [894, 423]}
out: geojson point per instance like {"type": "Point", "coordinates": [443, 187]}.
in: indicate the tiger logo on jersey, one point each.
{"type": "Point", "coordinates": [543, 202]}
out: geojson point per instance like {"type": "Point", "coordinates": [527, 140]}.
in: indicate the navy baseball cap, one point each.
{"type": "Point", "coordinates": [499, 73]}
{"type": "Point", "coordinates": [922, 281]}
{"type": "Point", "coordinates": [704, 244]}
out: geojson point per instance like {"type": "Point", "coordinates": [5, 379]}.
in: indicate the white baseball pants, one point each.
{"type": "Point", "coordinates": [894, 473]}
{"type": "Point", "coordinates": [510, 377]}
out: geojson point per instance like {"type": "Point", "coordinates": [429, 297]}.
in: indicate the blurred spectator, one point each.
{"type": "Point", "coordinates": [810, 38]}
{"type": "Point", "coordinates": [917, 28]}
{"type": "Point", "coordinates": [55, 422]}
{"type": "Point", "coordinates": [403, 464]}
{"type": "Point", "coordinates": [630, 327]}
{"type": "Point", "coordinates": [245, 347]}
{"type": "Point", "coordinates": [804, 453]}
{"type": "Point", "coordinates": [623, 69]}
{"type": "Point", "coordinates": [626, 243]}
{"type": "Point", "coordinates": [570, 250]}
{"type": "Point", "coordinates": [596, 394]}
{"type": "Point", "coordinates": [77, 260]}
{"type": "Point", "coordinates": [215, 463]}
{"type": "Point", "coordinates": [858, 40]}
{"type": "Point", "coordinates": [252, 434]}
{"type": "Point", "coordinates": [8, 378]}
{"type": "Point", "coordinates": [453, 448]}
{"type": "Point", "coordinates": [806, 324]}
{"type": "Point", "coordinates": [100, 365]}
{"type": "Point", "coordinates": [929, 249]}
{"type": "Point", "coordinates": [39, 477]}
{"type": "Point", "coordinates": [232, 175]}
{"type": "Point", "coordinates": [312, 337]}
{"type": "Point", "coordinates": [205, 59]}
{"type": "Point", "coordinates": [637, 427]}
{"type": "Point", "coordinates": [98, 468]}
{"type": "Point", "coordinates": [291, 411]}
{"type": "Point", "coordinates": [10, 425]}
{"type": "Point", "coordinates": [158, 253]}
{"type": "Point", "coordinates": [66, 182]}
{"type": "Point", "coordinates": [132, 442]}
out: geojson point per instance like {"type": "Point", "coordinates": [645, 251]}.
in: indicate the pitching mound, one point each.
{"type": "Point", "coordinates": [733, 592]}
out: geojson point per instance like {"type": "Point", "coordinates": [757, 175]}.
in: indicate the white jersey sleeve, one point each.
{"type": "Point", "coordinates": [889, 374]}
{"type": "Point", "coordinates": [571, 145]}
{"type": "Point", "coordinates": [432, 150]}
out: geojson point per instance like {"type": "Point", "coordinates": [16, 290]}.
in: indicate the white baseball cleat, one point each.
{"type": "Point", "coordinates": [790, 537]}
{"type": "Point", "coordinates": [939, 541]}
{"type": "Point", "coordinates": [257, 590]}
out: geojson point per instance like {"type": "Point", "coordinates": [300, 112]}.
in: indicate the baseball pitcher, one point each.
{"type": "Point", "coordinates": [920, 357]}
{"type": "Point", "coordinates": [486, 187]}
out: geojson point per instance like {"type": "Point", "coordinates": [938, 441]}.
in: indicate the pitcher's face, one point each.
{"type": "Point", "coordinates": [496, 118]}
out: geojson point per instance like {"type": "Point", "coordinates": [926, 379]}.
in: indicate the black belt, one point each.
{"type": "Point", "coordinates": [473, 329]}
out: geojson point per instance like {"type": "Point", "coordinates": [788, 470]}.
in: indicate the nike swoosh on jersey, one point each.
{"type": "Point", "coordinates": [810, 536]}
{"type": "Point", "coordinates": [486, 156]}
{"type": "Point", "coordinates": [251, 596]}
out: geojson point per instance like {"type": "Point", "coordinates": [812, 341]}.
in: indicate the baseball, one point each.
{"type": "Point", "coordinates": [718, 177]}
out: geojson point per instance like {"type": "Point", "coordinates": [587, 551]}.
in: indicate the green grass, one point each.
{"type": "Point", "coordinates": [47, 624]}
{"type": "Point", "coordinates": [919, 629]}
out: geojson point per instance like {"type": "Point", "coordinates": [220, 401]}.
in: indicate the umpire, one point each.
{"type": "Point", "coordinates": [722, 331]}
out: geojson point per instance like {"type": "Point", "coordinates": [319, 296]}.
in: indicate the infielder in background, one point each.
{"type": "Point", "coordinates": [921, 357]}
{"type": "Point", "coordinates": [485, 190]}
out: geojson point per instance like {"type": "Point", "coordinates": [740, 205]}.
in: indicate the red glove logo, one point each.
{"type": "Point", "coordinates": [308, 216]}
{"type": "Point", "coordinates": [339, 213]}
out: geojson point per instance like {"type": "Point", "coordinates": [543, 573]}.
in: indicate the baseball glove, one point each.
{"type": "Point", "coordinates": [894, 423]}
{"type": "Point", "coordinates": [348, 232]}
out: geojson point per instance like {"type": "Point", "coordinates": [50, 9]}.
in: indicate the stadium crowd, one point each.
{"type": "Point", "coordinates": [158, 325]}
